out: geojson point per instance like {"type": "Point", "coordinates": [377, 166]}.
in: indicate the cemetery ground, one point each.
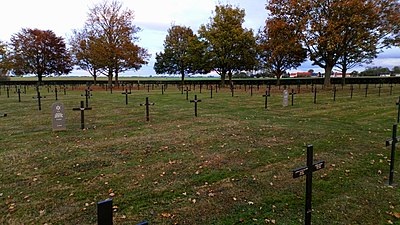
{"type": "Point", "coordinates": [230, 165]}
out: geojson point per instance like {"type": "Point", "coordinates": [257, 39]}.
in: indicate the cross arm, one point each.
{"type": "Point", "coordinates": [304, 170]}
{"type": "Point", "coordinates": [390, 141]}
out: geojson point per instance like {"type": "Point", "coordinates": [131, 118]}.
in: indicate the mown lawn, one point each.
{"type": "Point", "coordinates": [230, 165]}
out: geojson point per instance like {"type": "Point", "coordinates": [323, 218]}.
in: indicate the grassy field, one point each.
{"type": "Point", "coordinates": [230, 165]}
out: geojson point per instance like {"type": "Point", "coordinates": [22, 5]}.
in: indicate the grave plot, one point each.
{"type": "Point", "coordinates": [232, 164]}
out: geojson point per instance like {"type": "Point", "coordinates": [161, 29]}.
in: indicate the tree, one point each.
{"type": "Point", "coordinates": [112, 30]}
{"type": "Point", "coordinates": [87, 53]}
{"type": "Point", "coordinates": [39, 52]}
{"type": "Point", "coordinates": [4, 59]}
{"type": "Point", "coordinates": [230, 47]}
{"type": "Point", "coordinates": [280, 48]}
{"type": "Point", "coordinates": [340, 30]}
{"type": "Point", "coordinates": [183, 53]}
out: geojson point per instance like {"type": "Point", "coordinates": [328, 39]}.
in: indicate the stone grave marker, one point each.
{"type": "Point", "coordinates": [308, 170]}
{"type": "Point", "coordinates": [58, 116]}
{"type": "Point", "coordinates": [285, 98]}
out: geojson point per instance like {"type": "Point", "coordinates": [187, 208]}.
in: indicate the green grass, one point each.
{"type": "Point", "coordinates": [230, 165]}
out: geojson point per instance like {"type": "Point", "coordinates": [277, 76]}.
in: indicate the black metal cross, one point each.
{"type": "Point", "coordinates": [187, 93]}
{"type": "Point", "coordinates": [315, 95]}
{"type": "Point", "coordinates": [334, 93]}
{"type": "Point", "coordinates": [391, 88]}
{"type": "Point", "coordinates": [19, 94]}
{"type": "Point", "coordinates": [366, 90]}
{"type": "Point", "coordinates": [56, 93]}
{"type": "Point", "coordinates": [82, 109]}
{"type": "Point", "coordinates": [87, 96]}
{"type": "Point", "coordinates": [392, 141]}
{"type": "Point", "coordinates": [292, 94]}
{"type": "Point", "coordinates": [266, 98]}
{"type": "Point", "coordinates": [379, 92]}
{"type": "Point", "coordinates": [126, 93]}
{"type": "Point", "coordinates": [211, 89]}
{"type": "Point", "coordinates": [147, 104]}
{"type": "Point", "coordinates": [398, 110]}
{"type": "Point", "coordinates": [195, 104]}
{"type": "Point", "coordinates": [308, 170]}
{"type": "Point", "coordinates": [8, 92]}
{"type": "Point", "coordinates": [351, 91]}
{"type": "Point", "coordinates": [105, 212]}
{"type": "Point", "coordinates": [38, 97]}
{"type": "Point", "coordinates": [251, 90]}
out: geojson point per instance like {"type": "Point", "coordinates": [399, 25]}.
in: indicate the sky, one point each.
{"type": "Point", "coordinates": [154, 17]}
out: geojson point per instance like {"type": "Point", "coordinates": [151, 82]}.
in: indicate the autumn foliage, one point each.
{"type": "Point", "coordinates": [39, 52]}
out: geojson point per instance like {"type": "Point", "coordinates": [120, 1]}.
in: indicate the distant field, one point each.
{"type": "Point", "coordinates": [230, 165]}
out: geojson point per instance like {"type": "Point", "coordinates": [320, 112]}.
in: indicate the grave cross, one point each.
{"type": "Point", "coordinates": [195, 104]}
{"type": "Point", "coordinates": [391, 88]}
{"type": "Point", "coordinates": [38, 98]}
{"type": "Point", "coordinates": [379, 93]}
{"type": "Point", "coordinates": [366, 90]}
{"type": "Point", "coordinates": [292, 94]}
{"type": "Point", "coordinates": [3, 114]}
{"type": "Point", "coordinates": [126, 93]}
{"type": "Point", "coordinates": [19, 94]}
{"type": "Point", "coordinates": [147, 108]}
{"type": "Point", "coordinates": [308, 170]}
{"type": "Point", "coordinates": [334, 93]}
{"type": "Point", "coordinates": [56, 93]}
{"type": "Point", "coordinates": [211, 88]}
{"type": "Point", "coordinates": [315, 95]}
{"type": "Point", "coordinates": [8, 92]}
{"type": "Point", "coordinates": [266, 98]}
{"type": "Point", "coordinates": [392, 141]}
{"type": "Point", "coordinates": [105, 212]}
{"type": "Point", "coordinates": [82, 109]}
{"type": "Point", "coordinates": [351, 91]}
{"type": "Point", "coordinates": [398, 110]}
{"type": "Point", "coordinates": [187, 93]}
{"type": "Point", "coordinates": [87, 96]}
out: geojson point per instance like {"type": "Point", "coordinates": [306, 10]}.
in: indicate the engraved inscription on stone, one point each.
{"type": "Point", "coordinates": [58, 116]}
{"type": "Point", "coordinates": [285, 98]}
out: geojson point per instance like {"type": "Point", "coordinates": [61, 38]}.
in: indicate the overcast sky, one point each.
{"type": "Point", "coordinates": [153, 16]}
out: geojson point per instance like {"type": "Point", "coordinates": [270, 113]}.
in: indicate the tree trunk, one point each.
{"type": "Point", "coordinates": [183, 78]}
{"type": "Point", "coordinates": [328, 72]}
{"type": "Point", "coordinates": [344, 71]}
{"type": "Point", "coordinates": [230, 79]}
{"type": "Point", "coordinates": [110, 77]}
{"type": "Point", "coordinates": [116, 78]}
{"type": "Point", "coordinates": [94, 76]}
{"type": "Point", "coordinates": [223, 75]}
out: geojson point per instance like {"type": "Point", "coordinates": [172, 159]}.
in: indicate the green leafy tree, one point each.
{"type": "Point", "coordinates": [111, 30]}
{"type": "Point", "coordinates": [39, 52]}
{"type": "Point", "coordinates": [183, 53]}
{"type": "Point", "coordinates": [280, 48]}
{"type": "Point", "coordinates": [230, 47]}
